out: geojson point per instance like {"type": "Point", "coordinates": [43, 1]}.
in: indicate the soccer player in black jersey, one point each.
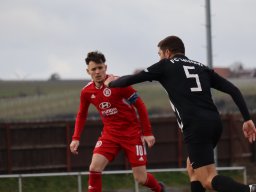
{"type": "Point", "coordinates": [188, 84]}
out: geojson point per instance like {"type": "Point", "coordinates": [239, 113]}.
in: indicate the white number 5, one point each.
{"type": "Point", "coordinates": [189, 75]}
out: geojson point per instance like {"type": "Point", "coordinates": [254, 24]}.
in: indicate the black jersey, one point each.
{"type": "Point", "coordinates": [188, 84]}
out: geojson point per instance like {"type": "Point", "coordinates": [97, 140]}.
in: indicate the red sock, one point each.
{"type": "Point", "coordinates": [94, 182]}
{"type": "Point", "coordinates": [152, 183]}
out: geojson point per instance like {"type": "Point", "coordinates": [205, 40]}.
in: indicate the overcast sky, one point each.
{"type": "Point", "coordinates": [42, 37]}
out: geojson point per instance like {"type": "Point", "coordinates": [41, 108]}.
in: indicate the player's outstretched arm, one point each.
{"type": "Point", "coordinates": [110, 79]}
{"type": "Point", "coordinates": [127, 80]}
{"type": "Point", "coordinates": [123, 81]}
{"type": "Point", "coordinates": [249, 131]}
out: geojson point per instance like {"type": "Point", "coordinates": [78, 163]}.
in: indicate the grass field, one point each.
{"type": "Point", "coordinates": [111, 183]}
{"type": "Point", "coordinates": [48, 100]}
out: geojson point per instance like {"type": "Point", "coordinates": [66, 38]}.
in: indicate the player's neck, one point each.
{"type": "Point", "coordinates": [176, 54]}
{"type": "Point", "coordinates": [98, 85]}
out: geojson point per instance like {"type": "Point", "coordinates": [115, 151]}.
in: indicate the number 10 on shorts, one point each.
{"type": "Point", "coordinates": [140, 150]}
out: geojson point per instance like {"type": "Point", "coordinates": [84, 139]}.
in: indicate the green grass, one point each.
{"type": "Point", "coordinates": [9, 185]}
{"type": "Point", "coordinates": [41, 184]}
{"type": "Point", "coordinates": [110, 182]}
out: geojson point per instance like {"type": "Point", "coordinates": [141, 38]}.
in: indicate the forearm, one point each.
{"type": "Point", "coordinates": [127, 80]}
{"type": "Point", "coordinates": [240, 102]}
{"type": "Point", "coordinates": [81, 117]}
{"type": "Point", "coordinates": [80, 121]}
{"type": "Point", "coordinates": [79, 127]}
{"type": "Point", "coordinates": [143, 115]}
{"type": "Point", "coordinates": [238, 98]}
{"type": "Point", "coordinates": [226, 86]}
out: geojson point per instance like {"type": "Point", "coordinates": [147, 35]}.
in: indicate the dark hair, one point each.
{"type": "Point", "coordinates": [173, 43]}
{"type": "Point", "coordinates": [95, 56]}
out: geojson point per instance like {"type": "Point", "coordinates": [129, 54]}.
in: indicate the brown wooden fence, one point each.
{"type": "Point", "coordinates": [44, 146]}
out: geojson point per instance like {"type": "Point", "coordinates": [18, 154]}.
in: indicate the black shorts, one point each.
{"type": "Point", "coordinates": [208, 131]}
{"type": "Point", "coordinates": [200, 154]}
{"type": "Point", "coordinates": [202, 141]}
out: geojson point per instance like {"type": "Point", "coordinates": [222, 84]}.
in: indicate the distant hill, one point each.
{"type": "Point", "coordinates": [59, 99]}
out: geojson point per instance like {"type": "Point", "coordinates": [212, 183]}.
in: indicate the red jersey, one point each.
{"type": "Point", "coordinates": [116, 108]}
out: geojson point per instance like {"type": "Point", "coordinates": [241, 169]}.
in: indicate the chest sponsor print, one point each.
{"type": "Point", "coordinates": [108, 112]}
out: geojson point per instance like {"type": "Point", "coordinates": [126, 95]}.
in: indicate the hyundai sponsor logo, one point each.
{"type": "Point", "coordinates": [105, 105]}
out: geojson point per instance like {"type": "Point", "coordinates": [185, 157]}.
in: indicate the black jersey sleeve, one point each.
{"type": "Point", "coordinates": [221, 84]}
{"type": "Point", "coordinates": [151, 73]}
{"type": "Point", "coordinates": [127, 80]}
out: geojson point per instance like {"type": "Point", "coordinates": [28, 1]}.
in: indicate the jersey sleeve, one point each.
{"type": "Point", "coordinates": [151, 73]}
{"type": "Point", "coordinates": [143, 115]}
{"type": "Point", "coordinates": [156, 70]}
{"type": "Point", "coordinates": [133, 99]}
{"type": "Point", "coordinates": [221, 84]}
{"type": "Point", "coordinates": [81, 117]}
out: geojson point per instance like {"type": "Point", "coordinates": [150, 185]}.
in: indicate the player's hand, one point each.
{"type": "Point", "coordinates": [150, 140]}
{"type": "Point", "coordinates": [74, 146]}
{"type": "Point", "coordinates": [109, 79]}
{"type": "Point", "coordinates": [249, 130]}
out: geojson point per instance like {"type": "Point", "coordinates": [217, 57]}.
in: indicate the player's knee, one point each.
{"type": "Point", "coordinates": [207, 183]}
{"type": "Point", "coordinates": [190, 170]}
{"type": "Point", "coordinates": [141, 179]}
{"type": "Point", "coordinates": [94, 168]}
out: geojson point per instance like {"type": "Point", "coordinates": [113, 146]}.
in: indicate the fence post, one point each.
{"type": "Point", "coordinates": [20, 183]}
{"type": "Point", "coordinates": [68, 153]}
{"type": "Point", "coordinates": [245, 176]}
{"type": "Point", "coordinates": [79, 182]}
{"type": "Point", "coordinates": [136, 185]}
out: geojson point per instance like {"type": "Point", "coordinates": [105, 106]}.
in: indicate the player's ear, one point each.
{"type": "Point", "coordinates": [168, 53]}
{"type": "Point", "coordinates": [106, 67]}
{"type": "Point", "coordinates": [87, 70]}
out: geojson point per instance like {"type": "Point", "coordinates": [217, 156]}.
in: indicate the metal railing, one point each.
{"type": "Point", "coordinates": [136, 186]}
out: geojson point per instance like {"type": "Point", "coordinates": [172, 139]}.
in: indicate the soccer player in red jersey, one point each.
{"type": "Point", "coordinates": [122, 129]}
